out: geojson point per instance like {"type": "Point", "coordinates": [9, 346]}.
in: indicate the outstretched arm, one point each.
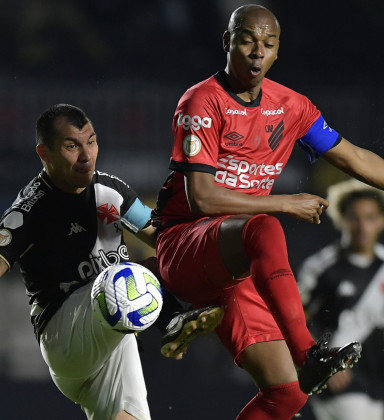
{"type": "Point", "coordinates": [357, 162]}
{"type": "Point", "coordinates": [207, 198]}
{"type": "Point", "coordinates": [147, 235]}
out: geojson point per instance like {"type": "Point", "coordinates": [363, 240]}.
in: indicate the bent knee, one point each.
{"type": "Point", "coordinates": [280, 401]}
{"type": "Point", "coordinates": [261, 222]}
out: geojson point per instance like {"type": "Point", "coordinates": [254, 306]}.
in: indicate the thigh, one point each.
{"type": "Point", "coordinates": [230, 242]}
{"type": "Point", "coordinates": [247, 319]}
{"type": "Point", "coordinates": [118, 386]}
{"type": "Point", "coordinates": [190, 263]}
{"type": "Point", "coordinates": [268, 363]}
{"type": "Point", "coordinates": [74, 343]}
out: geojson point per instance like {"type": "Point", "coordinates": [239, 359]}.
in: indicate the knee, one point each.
{"type": "Point", "coordinates": [285, 400]}
{"type": "Point", "coordinates": [263, 230]}
{"type": "Point", "coordinates": [279, 402]}
{"type": "Point", "coordinates": [263, 222]}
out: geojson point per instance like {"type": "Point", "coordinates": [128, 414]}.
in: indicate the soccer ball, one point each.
{"type": "Point", "coordinates": [127, 297]}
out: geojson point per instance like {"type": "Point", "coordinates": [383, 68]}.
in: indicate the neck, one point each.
{"type": "Point", "coordinates": [246, 93]}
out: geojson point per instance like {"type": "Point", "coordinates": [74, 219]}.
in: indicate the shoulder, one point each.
{"type": "Point", "coordinates": [205, 90]}
{"type": "Point", "coordinates": [109, 186]}
{"type": "Point", "coordinates": [322, 259]}
{"type": "Point", "coordinates": [28, 205]}
{"type": "Point", "coordinates": [379, 250]}
{"type": "Point", "coordinates": [313, 267]}
{"type": "Point", "coordinates": [277, 92]}
{"type": "Point", "coordinates": [109, 180]}
{"type": "Point", "coordinates": [32, 196]}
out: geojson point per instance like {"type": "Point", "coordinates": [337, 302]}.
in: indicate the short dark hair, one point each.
{"type": "Point", "coordinates": [343, 194]}
{"type": "Point", "coordinates": [348, 199]}
{"type": "Point", "coordinates": [45, 124]}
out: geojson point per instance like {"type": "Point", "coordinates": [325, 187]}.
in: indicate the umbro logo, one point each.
{"type": "Point", "coordinates": [234, 138]}
{"type": "Point", "coordinates": [76, 228]}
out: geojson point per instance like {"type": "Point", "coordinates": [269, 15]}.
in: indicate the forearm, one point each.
{"type": "Point", "coordinates": [224, 201]}
{"type": "Point", "coordinates": [147, 235]}
{"type": "Point", "coordinates": [209, 199]}
{"type": "Point", "coordinates": [360, 163]}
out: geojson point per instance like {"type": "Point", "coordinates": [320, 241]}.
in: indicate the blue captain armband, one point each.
{"type": "Point", "coordinates": [319, 139]}
{"type": "Point", "coordinates": [137, 217]}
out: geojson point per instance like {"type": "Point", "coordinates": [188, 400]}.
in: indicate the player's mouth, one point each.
{"type": "Point", "coordinates": [255, 71]}
{"type": "Point", "coordinates": [84, 169]}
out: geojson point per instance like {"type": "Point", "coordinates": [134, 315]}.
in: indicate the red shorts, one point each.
{"type": "Point", "coordinates": [192, 269]}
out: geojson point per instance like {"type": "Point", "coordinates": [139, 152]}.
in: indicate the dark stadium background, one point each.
{"type": "Point", "coordinates": [127, 63]}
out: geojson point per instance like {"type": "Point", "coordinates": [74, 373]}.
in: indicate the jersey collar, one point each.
{"type": "Point", "coordinates": [221, 78]}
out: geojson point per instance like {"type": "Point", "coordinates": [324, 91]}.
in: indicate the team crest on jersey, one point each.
{"type": "Point", "coordinates": [191, 145]}
{"type": "Point", "coordinates": [276, 136]}
{"type": "Point", "coordinates": [5, 237]}
{"type": "Point", "coordinates": [107, 214]}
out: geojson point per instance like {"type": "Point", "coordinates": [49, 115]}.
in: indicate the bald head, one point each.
{"type": "Point", "coordinates": [240, 16]}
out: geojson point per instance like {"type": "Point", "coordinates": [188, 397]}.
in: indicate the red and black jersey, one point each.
{"type": "Point", "coordinates": [246, 145]}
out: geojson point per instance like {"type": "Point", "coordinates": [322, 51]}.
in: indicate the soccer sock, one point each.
{"type": "Point", "coordinates": [265, 246]}
{"type": "Point", "coordinates": [171, 306]}
{"type": "Point", "coordinates": [279, 402]}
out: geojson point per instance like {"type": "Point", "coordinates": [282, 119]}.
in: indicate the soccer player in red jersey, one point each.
{"type": "Point", "coordinates": [218, 243]}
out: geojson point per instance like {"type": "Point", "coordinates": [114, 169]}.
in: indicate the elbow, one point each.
{"type": "Point", "coordinates": [201, 205]}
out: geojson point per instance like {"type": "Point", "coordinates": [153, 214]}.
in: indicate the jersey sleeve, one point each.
{"type": "Point", "coordinates": [13, 236]}
{"type": "Point", "coordinates": [196, 133]}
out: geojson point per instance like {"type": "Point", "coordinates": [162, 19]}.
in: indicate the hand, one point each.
{"type": "Point", "coordinates": [306, 207]}
{"type": "Point", "coordinates": [340, 380]}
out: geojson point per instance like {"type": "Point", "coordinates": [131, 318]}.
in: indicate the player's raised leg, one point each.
{"type": "Point", "coordinates": [270, 366]}
{"type": "Point", "coordinates": [257, 244]}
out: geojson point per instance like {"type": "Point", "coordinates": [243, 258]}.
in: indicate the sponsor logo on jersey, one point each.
{"type": "Point", "coordinates": [32, 198]}
{"type": "Point", "coordinates": [5, 237]}
{"type": "Point", "coordinates": [107, 214]}
{"type": "Point", "coordinates": [112, 177]}
{"type": "Point", "coordinates": [238, 173]}
{"type": "Point", "coordinates": [194, 122]}
{"type": "Point", "coordinates": [96, 264]}
{"type": "Point", "coordinates": [76, 228]}
{"type": "Point", "coordinates": [234, 139]}
{"type": "Point", "coordinates": [268, 112]}
{"type": "Point", "coordinates": [236, 111]}
{"type": "Point", "coordinates": [191, 145]}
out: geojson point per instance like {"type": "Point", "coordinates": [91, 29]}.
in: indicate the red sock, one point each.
{"type": "Point", "coordinates": [265, 246]}
{"type": "Point", "coordinates": [279, 402]}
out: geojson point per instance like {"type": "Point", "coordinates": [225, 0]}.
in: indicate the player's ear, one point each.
{"type": "Point", "coordinates": [226, 40]}
{"type": "Point", "coordinates": [41, 150]}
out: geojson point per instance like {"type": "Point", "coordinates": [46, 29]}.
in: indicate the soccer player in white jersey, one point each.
{"type": "Point", "coordinates": [342, 289]}
{"type": "Point", "coordinates": [63, 229]}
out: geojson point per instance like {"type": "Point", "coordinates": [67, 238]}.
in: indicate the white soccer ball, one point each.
{"type": "Point", "coordinates": [127, 297]}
